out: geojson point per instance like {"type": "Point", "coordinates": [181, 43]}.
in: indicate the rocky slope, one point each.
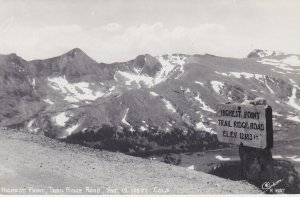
{"type": "Point", "coordinates": [146, 104]}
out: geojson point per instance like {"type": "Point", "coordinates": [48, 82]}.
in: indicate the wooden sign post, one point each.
{"type": "Point", "coordinates": [246, 125]}
{"type": "Point", "coordinates": [249, 126]}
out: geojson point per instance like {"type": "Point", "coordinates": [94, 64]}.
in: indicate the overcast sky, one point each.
{"type": "Point", "coordinates": [118, 30]}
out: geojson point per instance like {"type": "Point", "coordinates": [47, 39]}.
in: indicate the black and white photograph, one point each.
{"type": "Point", "coordinates": [149, 97]}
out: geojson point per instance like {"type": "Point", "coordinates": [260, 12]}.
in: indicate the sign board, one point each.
{"type": "Point", "coordinates": [249, 125]}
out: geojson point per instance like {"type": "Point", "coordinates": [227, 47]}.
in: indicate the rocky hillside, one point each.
{"type": "Point", "coordinates": [148, 103]}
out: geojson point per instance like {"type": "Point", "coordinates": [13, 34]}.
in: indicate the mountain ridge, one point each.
{"type": "Point", "coordinates": [146, 101]}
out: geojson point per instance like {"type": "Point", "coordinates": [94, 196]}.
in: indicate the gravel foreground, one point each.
{"type": "Point", "coordinates": [35, 164]}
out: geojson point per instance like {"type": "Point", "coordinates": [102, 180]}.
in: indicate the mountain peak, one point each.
{"type": "Point", "coordinates": [258, 53]}
{"type": "Point", "coordinates": [147, 64]}
{"type": "Point", "coordinates": [78, 55]}
{"type": "Point", "coordinates": [76, 51]}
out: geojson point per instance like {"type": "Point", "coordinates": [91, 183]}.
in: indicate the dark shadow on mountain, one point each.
{"type": "Point", "coordinates": [284, 170]}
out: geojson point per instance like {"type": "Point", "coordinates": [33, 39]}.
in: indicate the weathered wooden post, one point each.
{"type": "Point", "coordinates": [249, 126]}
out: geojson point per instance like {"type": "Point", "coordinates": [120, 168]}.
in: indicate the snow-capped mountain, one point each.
{"type": "Point", "coordinates": [263, 53]}
{"type": "Point", "coordinates": [149, 103]}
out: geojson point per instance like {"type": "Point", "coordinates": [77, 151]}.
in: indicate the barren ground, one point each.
{"type": "Point", "coordinates": [35, 164]}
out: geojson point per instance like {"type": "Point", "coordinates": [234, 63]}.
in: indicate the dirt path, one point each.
{"type": "Point", "coordinates": [33, 164]}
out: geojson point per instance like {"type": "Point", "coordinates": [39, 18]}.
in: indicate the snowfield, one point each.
{"type": "Point", "coordinates": [173, 62]}
{"type": "Point", "coordinates": [170, 65]}
{"type": "Point", "coordinates": [74, 92]}
{"type": "Point", "coordinates": [137, 78]}
{"type": "Point", "coordinates": [239, 75]}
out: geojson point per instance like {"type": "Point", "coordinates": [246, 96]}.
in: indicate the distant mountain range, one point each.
{"type": "Point", "coordinates": [146, 104]}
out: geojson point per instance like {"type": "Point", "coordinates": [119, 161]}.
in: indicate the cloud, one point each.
{"type": "Point", "coordinates": [113, 42]}
{"type": "Point", "coordinates": [6, 24]}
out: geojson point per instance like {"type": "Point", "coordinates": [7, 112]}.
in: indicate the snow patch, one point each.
{"type": "Point", "coordinates": [270, 89]}
{"type": "Point", "coordinates": [242, 74]}
{"type": "Point", "coordinates": [276, 114]}
{"type": "Point", "coordinates": [200, 83]}
{"type": "Point", "coordinates": [294, 158]}
{"type": "Point", "coordinates": [277, 124]}
{"type": "Point", "coordinates": [124, 118]}
{"type": "Point", "coordinates": [154, 93]}
{"type": "Point", "coordinates": [224, 74]}
{"type": "Point", "coordinates": [71, 129]}
{"type": "Point", "coordinates": [192, 167]}
{"type": "Point", "coordinates": [277, 157]}
{"type": "Point", "coordinates": [30, 123]}
{"type": "Point", "coordinates": [112, 88]}
{"type": "Point", "coordinates": [148, 81]}
{"type": "Point", "coordinates": [30, 126]}
{"type": "Point", "coordinates": [33, 82]}
{"type": "Point", "coordinates": [142, 128]}
{"type": "Point", "coordinates": [264, 53]}
{"type": "Point", "coordinates": [285, 64]}
{"type": "Point", "coordinates": [137, 71]}
{"type": "Point", "coordinates": [75, 92]}
{"type": "Point", "coordinates": [292, 81]}
{"type": "Point", "coordinates": [292, 61]}
{"type": "Point", "coordinates": [125, 121]}
{"type": "Point", "coordinates": [294, 118]}
{"type": "Point", "coordinates": [169, 65]}
{"type": "Point", "coordinates": [200, 126]}
{"type": "Point", "coordinates": [204, 106]}
{"type": "Point", "coordinates": [49, 101]}
{"type": "Point", "coordinates": [293, 99]}
{"type": "Point", "coordinates": [74, 106]}
{"type": "Point", "coordinates": [145, 123]}
{"type": "Point", "coordinates": [169, 105]}
{"type": "Point", "coordinates": [171, 125]}
{"type": "Point", "coordinates": [61, 119]}
{"type": "Point", "coordinates": [283, 73]}
{"type": "Point", "coordinates": [273, 62]}
{"type": "Point", "coordinates": [219, 157]}
{"type": "Point", "coordinates": [217, 86]}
